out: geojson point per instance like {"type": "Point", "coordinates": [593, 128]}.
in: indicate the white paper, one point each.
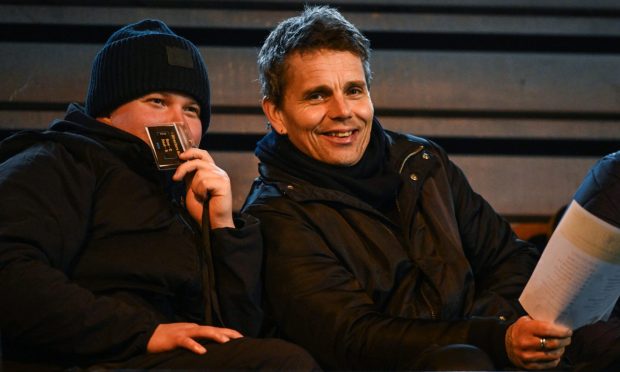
{"type": "Point", "coordinates": [577, 280]}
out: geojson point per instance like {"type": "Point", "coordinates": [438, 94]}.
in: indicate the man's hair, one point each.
{"type": "Point", "coordinates": [318, 27]}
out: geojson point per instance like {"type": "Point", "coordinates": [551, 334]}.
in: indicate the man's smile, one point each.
{"type": "Point", "coordinates": [339, 133]}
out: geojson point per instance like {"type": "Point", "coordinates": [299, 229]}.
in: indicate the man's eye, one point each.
{"type": "Point", "coordinates": [316, 96]}
{"type": "Point", "coordinates": [157, 101]}
{"type": "Point", "coordinates": [356, 90]}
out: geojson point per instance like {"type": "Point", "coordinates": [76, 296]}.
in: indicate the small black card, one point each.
{"type": "Point", "coordinates": [166, 144]}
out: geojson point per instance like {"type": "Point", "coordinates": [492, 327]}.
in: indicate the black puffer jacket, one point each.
{"type": "Point", "coordinates": [359, 291]}
{"type": "Point", "coordinates": [96, 251]}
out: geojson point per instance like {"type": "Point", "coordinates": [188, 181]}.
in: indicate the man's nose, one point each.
{"type": "Point", "coordinates": [340, 108]}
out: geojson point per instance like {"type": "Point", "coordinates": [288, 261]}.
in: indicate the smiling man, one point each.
{"type": "Point", "coordinates": [379, 255]}
{"type": "Point", "coordinates": [326, 110]}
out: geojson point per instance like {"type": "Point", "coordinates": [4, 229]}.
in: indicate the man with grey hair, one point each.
{"type": "Point", "coordinates": [379, 255]}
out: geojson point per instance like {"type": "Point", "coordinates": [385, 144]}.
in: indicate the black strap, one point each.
{"type": "Point", "coordinates": [210, 284]}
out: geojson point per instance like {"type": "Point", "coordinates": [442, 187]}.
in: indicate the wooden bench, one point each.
{"type": "Point", "coordinates": [525, 97]}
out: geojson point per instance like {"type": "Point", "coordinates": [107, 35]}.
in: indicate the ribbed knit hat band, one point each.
{"type": "Point", "coordinates": [142, 58]}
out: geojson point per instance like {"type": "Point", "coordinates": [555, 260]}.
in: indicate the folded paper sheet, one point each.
{"type": "Point", "coordinates": [577, 280]}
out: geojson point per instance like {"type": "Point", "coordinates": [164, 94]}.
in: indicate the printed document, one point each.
{"type": "Point", "coordinates": [577, 280]}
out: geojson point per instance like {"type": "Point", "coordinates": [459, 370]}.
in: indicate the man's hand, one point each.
{"type": "Point", "coordinates": [205, 181]}
{"type": "Point", "coordinates": [183, 335]}
{"type": "Point", "coordinates": [525, 340]}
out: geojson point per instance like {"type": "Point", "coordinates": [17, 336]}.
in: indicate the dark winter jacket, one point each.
{"type": "Point", "coordinates": [96, 249]}
{"type": "Point", "coordinates": [360, 291]}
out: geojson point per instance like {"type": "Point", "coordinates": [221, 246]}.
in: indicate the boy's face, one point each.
{"type": "Point", "coordinates": [156, 108]}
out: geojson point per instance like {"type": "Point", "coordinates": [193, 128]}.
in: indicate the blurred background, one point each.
{"type": "Point", "coordinates": [524, 95]}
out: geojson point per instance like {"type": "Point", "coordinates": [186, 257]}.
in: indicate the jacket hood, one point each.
{"type": "Point", "coordinates": [78, 121]}
{"type": "Point", "coordinates": [125, 145]}
{"type": "Point", "coordinates": [80, 129]}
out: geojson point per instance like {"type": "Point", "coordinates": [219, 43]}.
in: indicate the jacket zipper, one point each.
{"type": "Point", "coordinates": [400, 171]}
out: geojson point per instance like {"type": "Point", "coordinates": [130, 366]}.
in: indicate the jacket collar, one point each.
{"type": "Point", "coordinates": [408, 154]}
{"type": "Point", "coordinates": [127, 147]}
{"type": "Point", "coordinates": [302, 191]}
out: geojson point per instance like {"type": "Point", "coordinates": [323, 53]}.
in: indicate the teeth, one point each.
{"type": "Point", "coordinates": [340, 134]}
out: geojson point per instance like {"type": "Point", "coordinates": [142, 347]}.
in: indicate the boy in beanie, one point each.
{"type": "Point", "coordinates": [106, 261]}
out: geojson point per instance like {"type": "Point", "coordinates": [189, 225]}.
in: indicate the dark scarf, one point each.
{"type": "Point", "coordinates": [371, 179]}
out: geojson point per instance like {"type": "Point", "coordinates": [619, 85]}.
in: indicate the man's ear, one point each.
{"type": "Point", "coordinates": [274, 115]}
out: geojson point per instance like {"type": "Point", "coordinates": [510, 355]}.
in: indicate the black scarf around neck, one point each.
{"type": "Point", "coordinates": [371, 179]}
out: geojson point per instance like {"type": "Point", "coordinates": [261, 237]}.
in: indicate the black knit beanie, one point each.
{"type": "Point", "coordinates": [145, 57]}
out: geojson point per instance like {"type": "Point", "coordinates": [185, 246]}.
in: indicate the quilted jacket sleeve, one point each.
{"type": "Point", "coordinates": [502, 263]}
{"type": "Point", "coordinates": [46, 200]}
{"type": "Point", "coordinates": [238, 263]}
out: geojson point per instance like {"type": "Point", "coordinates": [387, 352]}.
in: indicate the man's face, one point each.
{"type": "Point", "coordinates": [156, 108]}
{"type": "Point", "coordinates": [326, 109]}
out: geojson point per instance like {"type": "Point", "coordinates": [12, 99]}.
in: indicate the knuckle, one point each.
{"type": "Point", "coordinates": [204, 183]}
